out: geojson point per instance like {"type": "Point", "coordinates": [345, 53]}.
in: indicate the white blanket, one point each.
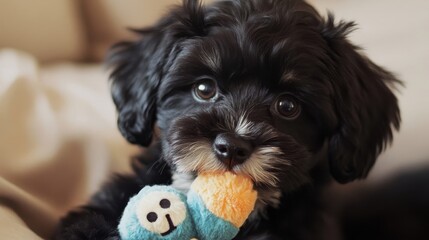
{"type": "Point", "coordinates": [58, 141]}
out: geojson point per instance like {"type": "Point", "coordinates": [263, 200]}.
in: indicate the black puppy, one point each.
{"type": "Point", "coordinates": [265, 88]}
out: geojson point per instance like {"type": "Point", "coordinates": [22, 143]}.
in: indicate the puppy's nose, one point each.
{"type": "Point", "coordinates": [232, 150]}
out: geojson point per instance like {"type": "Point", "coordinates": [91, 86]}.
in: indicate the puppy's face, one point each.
{"type": "Point", "coordinates": [225, 105]}
{"type": "Point", "coordinates": [268, 89]}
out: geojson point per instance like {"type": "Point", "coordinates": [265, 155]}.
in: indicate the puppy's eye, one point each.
{"type": "Point", "coordinates": [205, 90]}
{"type": "Point", "coordinates": [288, 107]}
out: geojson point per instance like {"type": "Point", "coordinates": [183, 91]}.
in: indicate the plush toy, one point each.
{"type": "Point", "coordinates": [215, 208]}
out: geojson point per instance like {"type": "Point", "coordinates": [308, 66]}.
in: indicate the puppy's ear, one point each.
{"type": "Point", "coordinates": [135, 78]}
{"type": "Point", "coordinates": [139, 67]}
{"type": "Point", "coordinates": [366, 107]}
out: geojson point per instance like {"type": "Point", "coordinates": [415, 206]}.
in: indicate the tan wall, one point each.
{"type": "Point", "coordinates": [73, 29]}
{"type": "Point", "coordinates": [49, 29]}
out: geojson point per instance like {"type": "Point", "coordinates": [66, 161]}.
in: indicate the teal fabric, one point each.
{"type": "Point", "coordinates": [130, 228]}
{"type": "Point", "coordinates": [208, 225]}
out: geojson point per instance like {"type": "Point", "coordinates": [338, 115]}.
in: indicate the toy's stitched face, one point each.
{"type": "Point", "coordinates": [161, 212]}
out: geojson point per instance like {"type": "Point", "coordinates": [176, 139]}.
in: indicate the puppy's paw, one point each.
{"type": "Point", "coordinates": [86, 225]}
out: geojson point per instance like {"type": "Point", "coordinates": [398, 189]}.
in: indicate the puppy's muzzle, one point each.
{"type": "Point", "coordinates": [231, 149]}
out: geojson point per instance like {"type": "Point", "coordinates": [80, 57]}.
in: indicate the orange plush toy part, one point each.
{"type": "Point", "coordinates": [228, 196]}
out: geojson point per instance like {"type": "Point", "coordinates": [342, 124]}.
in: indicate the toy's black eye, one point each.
{"type": "Point", "coordinates": [165, 203]}
{"type": "Point", "coordinates": [205, 90]}
{"type": "Point", "coordinates": [288, 107]}
{"type": "Point", "coordinates": [151, 217]}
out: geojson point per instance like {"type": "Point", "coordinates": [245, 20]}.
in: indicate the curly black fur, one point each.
{"type": "Point", "coordinates": [255, 51]}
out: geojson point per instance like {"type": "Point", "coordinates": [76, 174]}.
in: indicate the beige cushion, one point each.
{"type": "Point", "coordinates": [48, 29]}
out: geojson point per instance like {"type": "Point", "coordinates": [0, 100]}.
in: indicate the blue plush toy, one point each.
{"type": "Point", "coordinates": [215, 208]}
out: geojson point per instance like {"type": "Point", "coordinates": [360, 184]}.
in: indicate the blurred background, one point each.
{"type": "Point", "coordinates": [58, 135]}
